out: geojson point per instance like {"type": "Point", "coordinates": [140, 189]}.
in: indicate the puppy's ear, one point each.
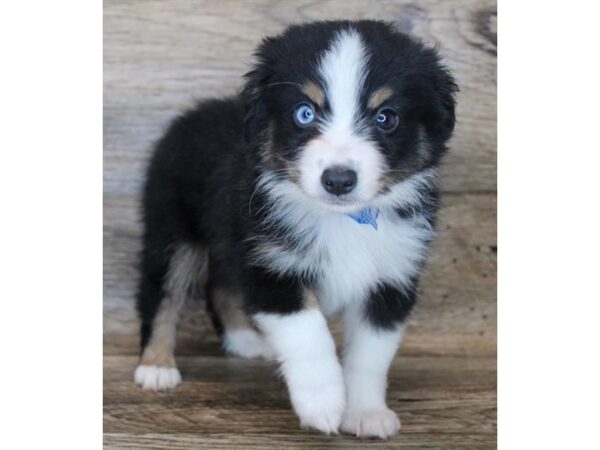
{"type": "Point", "coordinates": [253, 94]}
{"type": "Point", "coordinates": [436, 90]}
{"type": "Point", "coordinates": [439, 118]}
{"type": "Point", "coordinates": [255, 110]}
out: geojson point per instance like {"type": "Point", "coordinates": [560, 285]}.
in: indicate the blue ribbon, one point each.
{"type": "Point", "coordinates": [367, 216]}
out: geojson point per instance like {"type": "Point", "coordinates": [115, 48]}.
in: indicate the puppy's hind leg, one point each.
{"type": "Point", "coordinates": [157, 369]}
{"type": "Point", "coordinates": [238, 335]}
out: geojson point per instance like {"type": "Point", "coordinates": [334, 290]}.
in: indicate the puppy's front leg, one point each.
{"type": "Point", "coordinates": [306, 351]}
{"type": "Point", "coordinates": [368, 353]}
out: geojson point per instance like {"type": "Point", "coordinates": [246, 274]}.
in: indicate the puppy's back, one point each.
{"type": "Point", "coordinates": [192, 165]}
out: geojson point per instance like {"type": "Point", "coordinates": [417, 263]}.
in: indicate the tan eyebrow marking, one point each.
{"type": "Point", "coordinates": [314, 92]}
{"type": "Point", "coordinates": [379, 96]}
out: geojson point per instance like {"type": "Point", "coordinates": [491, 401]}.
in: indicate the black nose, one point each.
{"type": "Point", "coordinates": [338, 180]}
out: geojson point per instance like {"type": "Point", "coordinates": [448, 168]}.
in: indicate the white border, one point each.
{"type": "Point", "coordinates": [50, 192]}
{"type": "Point", "coordinates": [51, 239]}
{"type": "Point", "coordinates": [549, 172]}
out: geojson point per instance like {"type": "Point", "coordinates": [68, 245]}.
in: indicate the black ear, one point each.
{"type": "Point", "coordinates": [435, 90]}
{"type": "Point", "coordinates": [253, 94]}
{"type": "Point", "coordinates": [439, 117]}
{"type": "Point", "coordinates": [255, 109]}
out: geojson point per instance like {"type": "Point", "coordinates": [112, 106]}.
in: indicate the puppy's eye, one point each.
{"type": "Point", "coordinates": [387, 119]}
{"type": "Point", "coordinates": [304, 115]}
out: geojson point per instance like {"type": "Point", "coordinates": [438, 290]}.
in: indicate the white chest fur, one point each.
{"type": "Point", "coordinates": [349, 259]}
{"type": "Point", "coordinates": [357, 257]}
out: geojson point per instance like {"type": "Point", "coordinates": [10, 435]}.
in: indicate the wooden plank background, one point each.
{"type": "Point", "coordinates": [161, 55]}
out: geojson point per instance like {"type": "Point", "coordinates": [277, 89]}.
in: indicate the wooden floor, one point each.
{"type": "Point", "coordinates": [443, 402]}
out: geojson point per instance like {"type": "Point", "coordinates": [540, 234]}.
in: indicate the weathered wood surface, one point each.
{"type": "Point", "coordinates": [161, 55]}
{"type": "Point", "coordinates": [443, 402]}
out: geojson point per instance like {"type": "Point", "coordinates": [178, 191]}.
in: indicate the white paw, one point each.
{"type": "Point", "coordinates": [320, 408]}
{"type": "Point", "coordinates": [157, 378]}
{"type": "Point", "coordinates": [247, 343]}
{"type": "Point", "coordinates": [371, 424]}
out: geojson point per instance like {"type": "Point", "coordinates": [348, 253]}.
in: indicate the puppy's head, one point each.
{"type": "Point", "coordinates": [346, 110]}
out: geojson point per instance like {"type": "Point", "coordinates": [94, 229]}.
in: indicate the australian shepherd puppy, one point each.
{"type": "Point", "coordinates": [312, 194]}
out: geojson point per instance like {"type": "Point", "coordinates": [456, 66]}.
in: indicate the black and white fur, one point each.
{"type": "Point", "coordinates": [235, 199]}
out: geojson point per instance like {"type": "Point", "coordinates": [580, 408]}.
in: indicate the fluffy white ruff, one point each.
{"type": "Point", "coordinates": [382, 423]}
{"type": "Point", "coordinates": [247, 343]}
{"type": "Point", "coordinates": [347, 258]}
{"type": "Point", "coordinates": [157, 378]}
{"type": "Point", "coordinates": [306, 351]}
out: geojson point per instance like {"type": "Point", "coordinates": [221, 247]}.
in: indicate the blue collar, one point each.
{"type": "Point", "coordinates": [367, 216]}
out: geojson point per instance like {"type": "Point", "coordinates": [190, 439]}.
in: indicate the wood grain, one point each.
{"type": "Point", "coordinates": [443, 402]}
{"type": "Point", "coordinates": [183, 441]}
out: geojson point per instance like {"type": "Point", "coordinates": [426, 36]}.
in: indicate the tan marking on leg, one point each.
{"type": "Point", "coordinates": [187, 267]}
{"type": "Point", "coordinates": [310, 299]}
{"type": "Point", "coordinates": [314, 92]}
{"type": "Point", "coordinates": [229, 306]}
{"type": "Point", "coordinates": [379, 96]}
{"type": "Point", "coordinates": [159, 353]}
{"type": "Point", "coordinates": [240, 337]}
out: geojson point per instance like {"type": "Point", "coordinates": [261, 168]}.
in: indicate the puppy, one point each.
{"type": "Point", "coordinates": [311, 194]}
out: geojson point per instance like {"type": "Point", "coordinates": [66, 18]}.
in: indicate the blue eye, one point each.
{"type": "Point", "coordinates": [304, 115]}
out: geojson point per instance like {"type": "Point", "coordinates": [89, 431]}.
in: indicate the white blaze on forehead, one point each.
{"type": "Point", "coordinates": [343, 69]}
